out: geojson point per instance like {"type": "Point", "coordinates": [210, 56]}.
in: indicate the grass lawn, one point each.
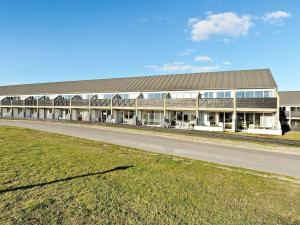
{"type": "Point", "coordinates": [54, 179]}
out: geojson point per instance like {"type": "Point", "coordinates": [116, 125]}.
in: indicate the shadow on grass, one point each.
{"type": "Point", "coordinates": [25, 187]}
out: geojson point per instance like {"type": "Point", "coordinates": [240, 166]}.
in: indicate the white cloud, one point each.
{"type": "Point", "coordinates": [276, 17]}
{"type": "Point", "coordinates": [181, 67]}
{"type": "Point", "coordinates": [226, 63]}
{"type": "Point", "coordinates": [203, 58]}
{"type": "Point", "coordinates": [224, 24]}
{"type": "Point", "coordinates": [186, 52]}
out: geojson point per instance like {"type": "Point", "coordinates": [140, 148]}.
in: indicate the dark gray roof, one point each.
{"type": "Point", "coordinates": [289, 98]}
{"type": "Point", "coordinates": [243, 79]}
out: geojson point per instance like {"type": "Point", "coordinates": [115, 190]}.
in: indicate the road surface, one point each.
{"type": "Point", "coordinates": [274, 162]}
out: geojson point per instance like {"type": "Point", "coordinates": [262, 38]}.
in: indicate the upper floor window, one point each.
{"type": "Point", "coordinates": [107, 96]}
{"type": "Point", "coordinates": [254, 94]}
{"type": "Point", "coordinates": [249, 94]}
{"type": "Point", "coordinates": [208, 95]}
{"type": "Point", "coordinates": [183, 94]}
{"type": "Point", "coordinates": [259, 94]}
{"type": "Point", "coordinates": [156, 95]}
{"type": "Point", "coordinates": [124, 96]}
{"type": "Point", "coordinates": [223, 94]}
{"type": "Point", "coordinates": [268, 94]}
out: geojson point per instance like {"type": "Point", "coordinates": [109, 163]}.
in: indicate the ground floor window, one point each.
{"type": "Point", "coordinates": [152, 118]}
{"type": "Point", "coordinates": [216, 119]}
{"type": "Point", "coordinates": [104, 114]}
{"type": "Point", "coordinates": [226, 119]}
{"type": "Point", "coordinates": [181, 119]}
{"type": "Point", "coordinates": [126, 116]}
{"type": "Point", "coordinates": [255, 121]}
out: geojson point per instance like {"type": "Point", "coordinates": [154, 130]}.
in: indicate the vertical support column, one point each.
{"type": "Point", "coordinates": [136, 108]}
{"type": "Point", "coordinates": [197, 108]}
{"type": "Point", "coordinates": [11, 109]}
{"type": "Point", "coordinates": [53, 109]}
{"type": "Point", "coordinates": [24, 109]}
{"type": "Point", "coordinates": [90, 111]}
{"type": "Point", "coordinates": [165, 111]}
{"type": "Point", "coordinates": [290, 118]}
{"type": "Point", "coordinates": [111, 109]}
{"type": "Point", "coordinates": [37, 107]}
{"type": "Point", "coordinates": [277, 123]}
{"type": "Point", "coordinates": [165, 106]}
{"type": "Point", "coordinates": [217, 119]}
{"type": "Point", "coordinates": [234, 112]}
{"type": "Point", "coordinates": [70, 107]}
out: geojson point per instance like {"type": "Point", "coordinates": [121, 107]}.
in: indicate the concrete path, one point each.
{"type": "Point", "coordinates": [273, 162]}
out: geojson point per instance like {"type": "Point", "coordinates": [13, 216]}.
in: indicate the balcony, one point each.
{"type": "Point", "coordinates": [61, 102]}
{"type": "Point", "coordinates": [295, 114]}
{"type": "Point", "coordinates": [100, 102]}
{"type": "Point", "coordinates": [6, 102]}
{"type": "Point", "coordinates": [80, 102]}
{"type": "Point", "coordinates": [267, 103]}
{"type": "Point", "coordinates": [45, 102]}
{"type": "Point", "coordinates": [150, 103]}
{"type": "Point", "coordinates": [30, 102]}
{"type": "Point", "coordinates": [17, 102]}
{"type": "Point", "coordinates": [124, 103]}
{"type": "Point", "coordinates": [216, 103]}
{"type": "Point", "coordinates": [181, 103]}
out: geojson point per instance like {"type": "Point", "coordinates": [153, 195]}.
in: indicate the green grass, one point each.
{"type": "Point", "coordinates": [157, 189]}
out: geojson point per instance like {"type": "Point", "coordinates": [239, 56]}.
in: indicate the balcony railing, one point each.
{"type": "Point", "coordinates": [17, 102]}
{"type": "Point", "coordinates": [62, 102]}
{"type": "Point", "coordinates": [215, 103]}
{"type": "Point", "coordinates": [45, 102]}
{"type": "Point", "coordinates": [124, 103]}
{"type": "Point", "coordinates": [181, 103]}
{"type": "Point", "coordinates": [256, 103]}
{"type": "Point", "coordinates": [295, 114]}
{"type": "Point", "coordinates": [5, 102]}
{"type": "Point", "coordinates": [100, 102]}
{"type": "Point", "coordinates": [30, 102]}
{"type": "Point", "coordinates": [80, 102]}
{"type": "Point", "coordinates": [149, 103]}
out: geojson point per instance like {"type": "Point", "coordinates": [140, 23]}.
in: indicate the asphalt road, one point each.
{"type": "Point", "coordinates": [267, 161]}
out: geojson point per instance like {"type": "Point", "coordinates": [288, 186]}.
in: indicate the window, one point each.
{"type": "Point", "coordinates": [107, 96]}
{"type": "Point", "coordinates": [220, 94]}
{"type": "Point", "coordinates": [156, 95]}
{"type": "Point", "coordinates": [212, 118]}
{"type": "Point", "coordinates": [124, 96]}
{"type": "Point", "coordinates": [259, 94]}
{"type": "Point", "coordinates": [131, 114]}
{"type": "Point", "coordinates": [208, 94]}
{"type": "Point", "coordinates": [179, 116]}
{"type": "Point", "coordinates": [249, 94]}
{"type": "Point", "coordinates": [240, 94]}
{"type": "Point", "coordinates": [227, 94]}
{"type": "Point", "coordinates": [223, 94]}
{"type": "Point", "coordinates": [268, 94]}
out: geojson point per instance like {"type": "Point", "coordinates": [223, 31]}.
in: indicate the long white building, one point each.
{"type": "Point", "coordinates": [245, 101]}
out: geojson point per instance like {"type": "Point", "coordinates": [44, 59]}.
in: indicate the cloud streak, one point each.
{"type": "Point", "coordinates": [203, 58]}
{"type": "Point", "coordinates": [276, 17]}
{"type": "Point", "coordinates": [181, 67]}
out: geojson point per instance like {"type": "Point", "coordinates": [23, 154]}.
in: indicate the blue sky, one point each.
{"type": "Point", "coordinates": [54, 40]}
